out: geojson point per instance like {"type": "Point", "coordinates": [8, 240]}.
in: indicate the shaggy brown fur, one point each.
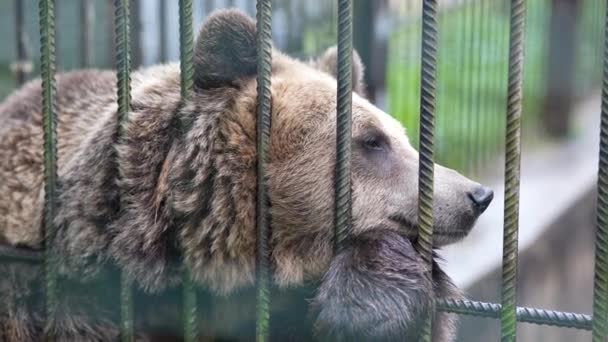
{"type": "Point", "coordinates": [180, 186]}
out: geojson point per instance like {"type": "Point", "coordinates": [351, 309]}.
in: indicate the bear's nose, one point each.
{"type": "Point", "coordinates": [482, 197]}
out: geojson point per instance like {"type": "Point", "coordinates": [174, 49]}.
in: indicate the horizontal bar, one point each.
{"type": "Point", "coordinates": [523, 314]}
{"type": "Point", "coordinates": [21, 254]}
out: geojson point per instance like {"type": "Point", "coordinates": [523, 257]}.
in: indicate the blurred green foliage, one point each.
{"type": "Point", "coordinates": [472, 76]}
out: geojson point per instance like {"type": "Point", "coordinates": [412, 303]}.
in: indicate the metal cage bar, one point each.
{"type": "Point", "coordinates": [123, 86]}
{"type": "Point", "coordinates": [342, 200]}
{"type": "Point", "coordinates": [512, 170]}
{"type": "Point", "coordinates": [427, 138]}
{"type": "Point", "coordinates": [49, 121]}
{"type": "Point", "coordinates": [186, 49]}
{"type": "Point", "coordinates": [600, 291]}
{"type": "Point", "coordinates": [264, 111]}
{"type": "Point", "coordinates": [508, 312]}
{"type": "Point", "coordinates": [524, 314]}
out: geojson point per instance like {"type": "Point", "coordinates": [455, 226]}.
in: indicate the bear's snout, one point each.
{"type": "Point", "coordinates": [481, 198]}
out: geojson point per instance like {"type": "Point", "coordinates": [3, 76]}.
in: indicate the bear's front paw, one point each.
{"type": "Point", "coordinates": [376, 289]}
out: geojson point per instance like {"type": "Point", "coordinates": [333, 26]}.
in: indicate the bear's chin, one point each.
{"type": "Point", "coordinates": [377, 289]}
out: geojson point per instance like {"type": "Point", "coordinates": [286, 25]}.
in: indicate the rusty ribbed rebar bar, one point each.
{"type": "Point", "coordinates": [123, 86]}
{"type": "Point", "coordinates": [187, 80]}
{"type": "Point", "coordinates": [427, 138]}
{"type": "Point", "coordinates": [186, 53]}
{"type": "Point", "coordinates": [600, 291]}
{"type": "Point", "coordinates": [512, 169]}
{"type": "Point", "coordinates": [49, 122]}
{"type": "Point", "coordinates": [524, 314]}
{"type": "Point", "coordinates": [342, 219]}
{"type": "Point", "coordinates": [264, 110]}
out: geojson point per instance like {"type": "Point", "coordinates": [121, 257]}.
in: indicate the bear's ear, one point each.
{"type": "Point", "coordinates": [225, 49]}
{"type": "Point", "coordinates": [328, 63]}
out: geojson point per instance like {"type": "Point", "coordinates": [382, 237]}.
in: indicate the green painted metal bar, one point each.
{"type": "Point", "coordinates": [264, 111]}
{"type": "Point", "coordinates": [49, 122]}
{"type": "Point", "coordinates": [512, 170]}
{"type": "Point", "coordinates": [186, 83]}
{"type": "Point", "coordinates": [342, 220]}
{"type": "Point", "coordinates": [186, 49]}
{"type": "Point", "coordinates": [600, 290]}
{"type": "Point", "coordinates": [426, 164]}
{"type": "Point", "coordinates": [524, 314]}
{"type": "Point", "coordinates": [123, 85]}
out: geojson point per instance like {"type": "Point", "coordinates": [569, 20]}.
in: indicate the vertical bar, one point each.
{"type": "Point", "coordinates": [210, 5]}
{"type": "Point", "coordinates": [504, 75]}
{"type": "Point", "coordinates": [342, 201]}
{"type": "Point", "coordinates": [49, 121]}
{"type": "Point", "coordinates": [494, 77]}
{"type": "Point", "coordinates": [186, 49]}
{"type": "Point", "coordinates": [600, 291]}
{"type": "Point", "coordinates": [22, 66]}
{"type": "Point", "coordinates": [110, 32]}
{"type": "Point", "coordinates": [427, 140]}
{"type": "Point", "coordinates": [467, 79]}
{"type": "Point", "coordinates": [264, 67]}
{"type": "Point", "coordinates": [162, 31]}
{"type": "Point", "coordinates": [87, 32]}
{"type": "Point", "coordinates": [470, 73]}
{"type": "Point", "coordinates": [480, 141]}
{"type": "Point", "coordinates": [123, 70]}
{"type": "Point", "coordinates": [135, 31]}
{"type": "Point", "coordinates": [455, 155]}
{"type": "Point", "coordinates": [476, 94]}
{"type": "Point", "coordinates": [512, 168]}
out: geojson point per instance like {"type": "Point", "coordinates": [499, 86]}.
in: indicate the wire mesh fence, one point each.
{"type": "Point", "coordinates": [459, 76]}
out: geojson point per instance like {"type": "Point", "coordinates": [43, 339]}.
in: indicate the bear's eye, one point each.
{"type": "Point", "coordinates": [375, 142]}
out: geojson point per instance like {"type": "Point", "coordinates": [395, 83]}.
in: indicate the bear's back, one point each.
{"type": "Point", "coordinates": [83, 99]}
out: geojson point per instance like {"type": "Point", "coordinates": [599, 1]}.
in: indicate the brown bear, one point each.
{"type": "Point", "coordinates": [179, 189]}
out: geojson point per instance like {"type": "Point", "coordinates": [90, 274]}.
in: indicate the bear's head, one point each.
{"type": "Point", "coordinates": [302, 156]}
